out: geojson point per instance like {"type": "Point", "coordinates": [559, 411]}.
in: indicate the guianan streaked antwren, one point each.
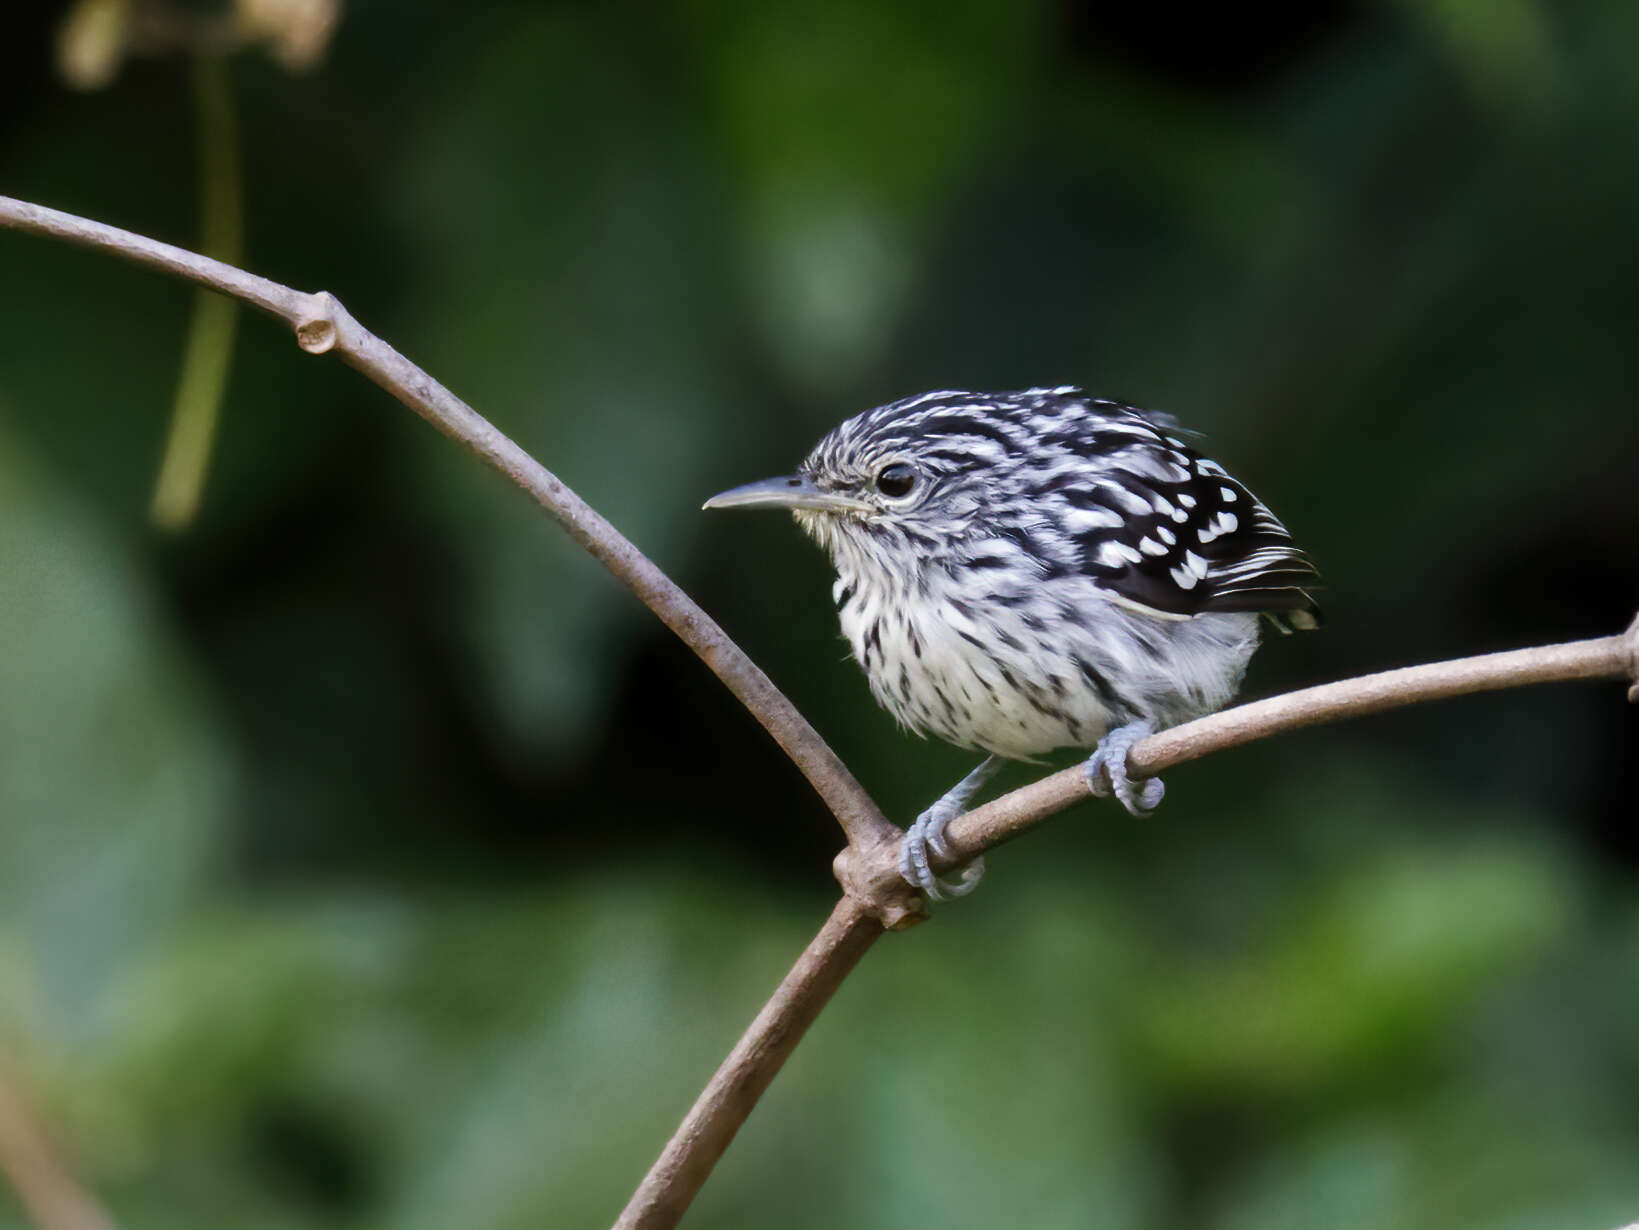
{"type": "Point", "coordinates": [1019, 572]}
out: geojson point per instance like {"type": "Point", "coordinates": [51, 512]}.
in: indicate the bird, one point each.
{"type": "Point", "coordinates": [1023, 572]}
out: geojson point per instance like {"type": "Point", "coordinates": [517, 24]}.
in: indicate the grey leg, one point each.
{"type": "Point", "coordinates": [1107, 774]}
{"type": "Point", "coordinates": [928, 834]}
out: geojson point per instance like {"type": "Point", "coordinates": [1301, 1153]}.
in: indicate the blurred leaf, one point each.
{"type": "Point", "coordinates": [1445, 1165]}
{"type": "Point", "coordinates": [1505, 48]}
{"type": "Point", "coordinates": [978, 1072]}
{"type": "Point", "coordinates": [112, 782]}
{"type": "Point", "coordinates": [570, 299]}
{"type": "Point", "coordinates": [1227, 180]}
{"type": "Point", "coordinates": [1366, 973]}
{"type": "Point", "coordinates": [91, 42]}
{"type": "Point", "coordinates": [848, 128]}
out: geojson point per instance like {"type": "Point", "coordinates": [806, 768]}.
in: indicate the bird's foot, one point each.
{"type": "Point", "coordinates": [1107, 773]}
{"type": "Point", "coordinates": [927, 837]}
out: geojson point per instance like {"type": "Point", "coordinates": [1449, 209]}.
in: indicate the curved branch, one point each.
{"type": "Point", "coordinates": [322, 324]}
{"type": "Point", "coordinates": [876, 871]}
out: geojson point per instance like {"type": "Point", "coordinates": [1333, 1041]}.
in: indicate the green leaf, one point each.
{"type": "Point", "coordinates": [112, 779]}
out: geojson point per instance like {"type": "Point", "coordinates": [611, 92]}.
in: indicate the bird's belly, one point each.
{"type": "Point", "coordinates": [989, 678]}
{"type": "Point", "coordinates": [992, 696]}
{"type": "Point", "coordinates": [977, 699]}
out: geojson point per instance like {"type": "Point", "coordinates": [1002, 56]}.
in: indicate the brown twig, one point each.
{"type": "Point", "coordinates": [665, 1193]}
{"type": "Point", "coordinates": [868, 872]}
{"type": "Point", "coordinates": [44, 1185]}
{"type": "Point", "coordinates": [322, 324]}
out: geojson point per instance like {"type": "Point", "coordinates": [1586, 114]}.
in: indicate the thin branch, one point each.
{"type": "Point", "coordinates": [870, 872]}
{"type": "Point", "coordinates": [44, 1185]}
{"type": "Point", "coordinates": [322, 324]}
{"type": "Point", "coordinates": [671, 1184]}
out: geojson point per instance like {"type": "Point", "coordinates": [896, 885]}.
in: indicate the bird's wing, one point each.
{"type": "Point", "coordinates": [1169, 531]}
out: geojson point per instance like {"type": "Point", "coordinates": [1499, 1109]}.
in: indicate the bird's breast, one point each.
{"type": "Point", "coordinates": [976, 669]}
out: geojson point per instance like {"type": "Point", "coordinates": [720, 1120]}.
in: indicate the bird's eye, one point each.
{"type": "Point", "coordinates": [896, 480]}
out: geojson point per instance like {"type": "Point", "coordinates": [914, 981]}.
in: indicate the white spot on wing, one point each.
{"type": "Point", "coordinates": [1115, 552]}
{"type": "Point", "coordinates": [1080, 520]}
{"type": "Point", "coordinates": [1126, 497]}
{"type": "Point", "coordinates": [1223, 523]}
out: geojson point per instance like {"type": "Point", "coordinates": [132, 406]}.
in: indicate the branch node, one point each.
{"type": "Point", "coordinates": [316, 331]}
{"type": "Point", "coordinates": [890, 900]}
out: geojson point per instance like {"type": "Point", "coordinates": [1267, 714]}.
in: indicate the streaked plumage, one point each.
{"type": "Point", "coordinates": [1019, 572]}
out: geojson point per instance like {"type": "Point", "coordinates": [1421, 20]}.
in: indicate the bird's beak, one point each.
{"type": "Point", "coordinates": [795, 491]}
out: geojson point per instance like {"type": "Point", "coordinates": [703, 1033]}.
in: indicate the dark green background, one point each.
{"type": "Point", "coordinates": [369, 858]}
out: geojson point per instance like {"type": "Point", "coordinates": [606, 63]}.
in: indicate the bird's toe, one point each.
{"type": "Point", "coordinates": [925, 841]}
{"type": "Point", "coordinates": [1107, 772]}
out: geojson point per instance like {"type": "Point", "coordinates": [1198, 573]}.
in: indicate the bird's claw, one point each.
{"type": "Point", "coordinates": [927, 837]}
{"type": "Point", "coordinates": [1107, 772]}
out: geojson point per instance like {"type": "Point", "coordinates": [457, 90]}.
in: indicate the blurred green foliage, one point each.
{"type": "Point", "coordinates": [368, 857]}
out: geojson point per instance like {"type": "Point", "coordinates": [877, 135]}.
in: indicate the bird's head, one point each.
{"type": "Point", "coordinates": [912, 476]}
